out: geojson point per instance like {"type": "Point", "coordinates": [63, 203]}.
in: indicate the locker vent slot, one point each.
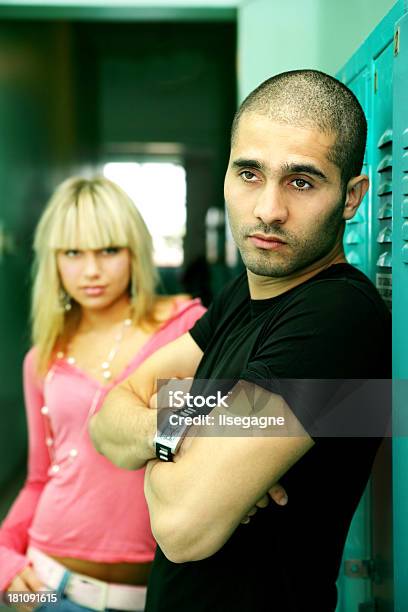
{"type": "Point", "coordinates": [385, 260]}
{"type": "Point", "coordinates": [386, 138]}
{"type": "Point", "coordinates": [384, 286]}
{"type": "Point", "coordinates": [358, 218]}
{"type": "Point", "coordinates": [353, 238]}
{"type": "Point", "coordinates": [385, 163]}
{"type": "Point", "coordinates": [405, 139]}
{"type": "Point", "coordinates": [405, 162]}
{"type": "Point", "coordinates": [384, 216]}
{"type": "Point", "coordinates": [385, 235]}
{"type": "Point", "coordinates": [354, 258]}
{"type": "Point", "coordinates": [404, 205]}
{"type": "Point", "coordinates": [385, 211]}
{"type": "Point", "coordinates": [385, 188]}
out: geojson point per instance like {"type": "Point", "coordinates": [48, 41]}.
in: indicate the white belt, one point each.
{"type": "Point", "coordinates": [84, 590]}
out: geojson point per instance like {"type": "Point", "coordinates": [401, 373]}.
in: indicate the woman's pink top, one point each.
{"type": "Point", "coordinates": [89, 508]}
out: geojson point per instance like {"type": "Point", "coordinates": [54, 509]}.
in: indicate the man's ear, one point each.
{"type": "Point", "coordinates": [356, 190]}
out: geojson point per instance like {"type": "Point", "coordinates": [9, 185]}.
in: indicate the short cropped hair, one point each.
{"type": "Point", "coordinates": [313, 98]}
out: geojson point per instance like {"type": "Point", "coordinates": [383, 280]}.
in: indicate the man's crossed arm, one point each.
{"type": "Point", "coordinates": [198, 501]}
{"type": "Point", "coordinates": [124, 428]}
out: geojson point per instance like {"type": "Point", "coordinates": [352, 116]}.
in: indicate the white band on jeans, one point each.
{"type": "Point", "coordinates": [84, 590]}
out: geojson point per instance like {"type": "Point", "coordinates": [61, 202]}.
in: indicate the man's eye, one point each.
{"type": "Point", "coordinates": [248, 176]}
{"type": "Point", "coordinates": [301, 185]}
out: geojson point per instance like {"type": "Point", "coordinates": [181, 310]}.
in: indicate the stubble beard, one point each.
{"type": "Point", "coordinates": [298, 253]}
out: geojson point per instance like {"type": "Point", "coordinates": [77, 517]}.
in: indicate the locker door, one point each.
{"type": "Point", "coordinates": [354, 588]}
{"type": "Point", "coordinates": [382, 161]}
{"type": "Point", "coordinates": [381, 267]}
{"type": "Point", "coordinates": [366, 579]}
{"type": "Point", "coordinates": [400, 312]}
{"type": "Point", "coordinates": [357, 236]}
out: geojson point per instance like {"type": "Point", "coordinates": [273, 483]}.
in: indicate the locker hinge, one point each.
{"type": "Point", "coordinates": [360, 568]}
{"type": "Point", "coordinates": [397, 41]}
{"type": "Point", "coordinates": [375, 81]}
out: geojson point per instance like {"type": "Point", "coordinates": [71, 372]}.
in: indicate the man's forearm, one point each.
{"type": "Point", "coordinates": [166, 493]}
{"type": "Point", "coordinates": [123, 430]}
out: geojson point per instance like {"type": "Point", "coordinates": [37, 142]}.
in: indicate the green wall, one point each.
{"type": "Point", "coordinates": [274, 36]}
{"type": "Point", "coordinates": [160, 82]}
{"type": "Point", "coordinates": [34, 151]}
{"type": "Point", "coordinates": [167, 84]}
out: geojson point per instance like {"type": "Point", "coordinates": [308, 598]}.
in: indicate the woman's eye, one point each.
{"type": "Point", "coordinates": [72, 252]}
{"type": "Point", "coordinates": [301, 184]}
{"type": "Point", "coordinates": [248, 176]}
{"type": "Point", "coordinates": [110, 250]}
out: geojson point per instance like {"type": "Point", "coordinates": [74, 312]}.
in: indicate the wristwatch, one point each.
{"type": "Point", "coordinates": [169, 436]}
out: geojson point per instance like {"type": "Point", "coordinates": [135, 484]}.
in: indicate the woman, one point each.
{"type": "Point", "coordinates": [95, 318]}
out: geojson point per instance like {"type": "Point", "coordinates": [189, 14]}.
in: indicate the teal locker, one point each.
{"type": "Point", "coordinates": [400, 309]}
{"type": "Point", "coordinates": [382, 161]}
{"type": "Point", "coordinates": [352, 589]}
{"type": "Point", "coordinates": [357, 238]}
{"type": "Point", "coordinates": [366, 578]}
{"type": "Point", "coordinates": [368, 73]}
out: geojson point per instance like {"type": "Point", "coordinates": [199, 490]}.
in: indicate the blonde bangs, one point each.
{"type": "Point", "coordinates": [89, 223]}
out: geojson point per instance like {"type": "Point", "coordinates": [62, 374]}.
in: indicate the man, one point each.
{"type": "Point", "coordinates": [299, 312]}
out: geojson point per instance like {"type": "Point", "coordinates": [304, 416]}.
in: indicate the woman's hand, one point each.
{"type": "Point", "coordinates": [26, 581]}
{"type": "Point", "coordinates": [153, 401]}
{"type": "Point", "coordinates": [277, 493]}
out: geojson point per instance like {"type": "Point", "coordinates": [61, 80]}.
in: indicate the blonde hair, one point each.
{"type": "Point", "coordinates": [86, 214]}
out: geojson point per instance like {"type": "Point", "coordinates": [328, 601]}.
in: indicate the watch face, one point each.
{"type": "Point", "coordinates": [170, 431]}
{"type": "Point", "coordinates": [170, 423]}
{"type": "Point", "coordinates": [169, 445]}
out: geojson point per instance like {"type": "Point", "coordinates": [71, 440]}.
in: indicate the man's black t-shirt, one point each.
{"type": "Point", "coordinates": [333, 326]}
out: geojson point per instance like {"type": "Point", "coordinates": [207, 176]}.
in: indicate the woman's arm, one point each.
{"type": "Point", "coordinates": [13, 531]}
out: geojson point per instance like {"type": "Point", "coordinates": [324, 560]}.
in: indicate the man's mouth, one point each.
{"type": "Point", "coordinates": [264, 241]}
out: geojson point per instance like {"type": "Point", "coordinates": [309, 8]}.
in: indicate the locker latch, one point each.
{"type": "Point", "coordinates": [359, 568]}
{"type": "Point", "coordinates": [396, 41]}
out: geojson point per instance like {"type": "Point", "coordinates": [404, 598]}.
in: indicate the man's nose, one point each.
{"type": "Point", "coordinates": [270, 206]}
{"type": "Point", "coordinates": [91, 264]}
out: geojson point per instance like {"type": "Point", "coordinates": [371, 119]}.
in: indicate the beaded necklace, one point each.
{"type": "Point", "coordinates": [107, 375]}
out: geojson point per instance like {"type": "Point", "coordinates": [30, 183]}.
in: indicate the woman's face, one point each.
{"type": "Point", "coordinates": [95, 279]}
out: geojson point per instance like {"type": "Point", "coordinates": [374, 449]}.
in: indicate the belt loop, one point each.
{"type": "Point", "coordinates": [64, 581]}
